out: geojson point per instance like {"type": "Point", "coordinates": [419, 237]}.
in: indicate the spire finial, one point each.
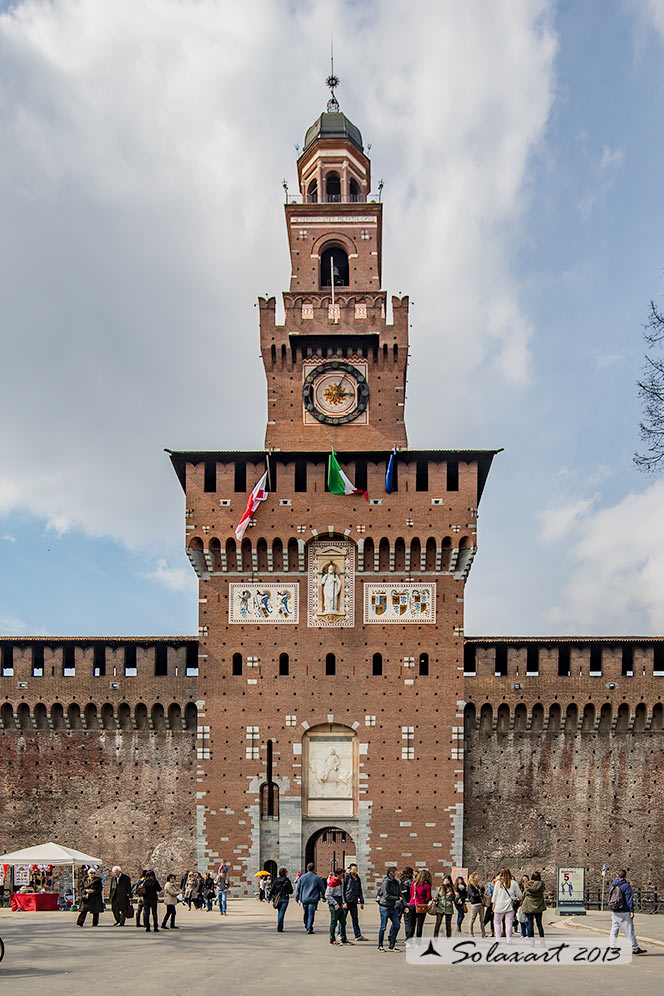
{"type": "Point", "coordinates": [332, 81]}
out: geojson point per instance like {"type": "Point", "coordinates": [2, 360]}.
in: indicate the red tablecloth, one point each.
{"type": "Point", "coordinates": [33, 901]}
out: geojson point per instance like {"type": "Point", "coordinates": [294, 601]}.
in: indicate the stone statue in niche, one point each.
{"type": "Point", "coordinates": [332, 778]}
{"type": "Point", "coordinates": [330, 583]}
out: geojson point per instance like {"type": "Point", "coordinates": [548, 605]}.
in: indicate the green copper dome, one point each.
{"type": "Point", "coordinates": [333, 124]}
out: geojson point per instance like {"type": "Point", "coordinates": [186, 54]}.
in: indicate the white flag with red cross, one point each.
{"type": "Point", "coordinates": [258, 495]}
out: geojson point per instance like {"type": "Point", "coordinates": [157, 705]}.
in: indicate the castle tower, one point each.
{"type": "Point", "coordinates": [331, 635]}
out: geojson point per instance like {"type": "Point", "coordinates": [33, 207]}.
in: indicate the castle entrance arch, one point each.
{"type": "Point", "coordinates": [330, 848]}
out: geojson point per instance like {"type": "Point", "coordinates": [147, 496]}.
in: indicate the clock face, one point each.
{"type": "Point", "coordinates": [335, 393]}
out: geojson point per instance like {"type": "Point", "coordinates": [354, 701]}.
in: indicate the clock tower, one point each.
{"type": "Point", "coordinates": [336, 370]}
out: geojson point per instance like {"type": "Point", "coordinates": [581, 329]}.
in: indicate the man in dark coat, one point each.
{"type": "Point", "coordinates": [120, 895]}
{"type": "Point", "coordinates": [92, 901]}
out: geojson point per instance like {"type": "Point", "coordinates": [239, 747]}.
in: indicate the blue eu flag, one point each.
{"type": "Point", "coordinates": [390, 485]}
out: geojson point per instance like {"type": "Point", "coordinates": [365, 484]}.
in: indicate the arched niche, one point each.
{"type": "Point", "coordinates": [330, 766]}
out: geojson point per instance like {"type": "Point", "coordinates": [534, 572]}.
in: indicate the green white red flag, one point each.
{"type": "Point", "coordinates": [337, 482]}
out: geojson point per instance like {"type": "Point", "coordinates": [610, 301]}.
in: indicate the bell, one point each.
{"type": "Point", "coordinates": [336, 275]}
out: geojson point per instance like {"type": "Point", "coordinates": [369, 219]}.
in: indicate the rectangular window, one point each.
{"type": "Point", "coordinates": [99, 660]}
{"type": "Point", "coordinates": [501, 660]}
{"type": "Point", "coordinates": [130, 662]}
{"type": "Point", "coordinates": [251, 752]}
{"type": "Point", "coordinates": [210, 476]}
{"type": "Point", "coordinates": [407, 743]}
{"type": "Point", "coordinates": [160, 660]}
{"type": "Point", "coordinates": [7, 660]}
{"type": "Point", "coordinates": [658, 660]}
{"type": "Point", "coordinates": [272, 476]}
{"type": "Point", "coordinates": [422, 475]}
{"type": "Point", "coordinates": [240, 476]}
{"type": "Point", "coordinates": [469, 659]}
{"type": "Point", "coordinates": [564, 658]}
{"type": "Point", "coordinates": [291, 720]}
{"type": "Point", "coordinates": [68, 660]}
{"type": "Point", "coordinates": [369, 720]}
{"type": "Point", "coordinates": [191, 665]}
{"type": "Point", "coordinates": [300, 474]}
{"type": "Point", "coordinates": [596, 660]}
{"type": "Point", "coordinates": [627, 660]}
{"type": "Point", "coordinates": [361, 475]}
{"type": "Point", "coordinates": [532, 660]}
{"type": "Point", "coordinates": [452, 475]}
{"type": "Point", "coordinates": [38, 660]}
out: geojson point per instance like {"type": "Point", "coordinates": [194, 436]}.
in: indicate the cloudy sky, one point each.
{"type": "Point", "coordinates": [143, 147]}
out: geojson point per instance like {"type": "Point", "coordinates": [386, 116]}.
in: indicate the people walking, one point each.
{"type": "Point", "coordinates": [138, 893]}
{"type": "Point", "coordinates": [405, 883]}
{"type": "Point", "coordinates": [309, 890]}
{"type": "Point", "coordinates": [460, 901]}
{"type": "Point", "coordinates": [621, 904]}
{"type": "Point", "coordinates": [171, 893]}
{"type": "Point", "coordinates": [191, 889]}
{"type": "Point", "coordinates": [444, 907]}
{"type": "Point", "coordinates": [334, 896]}
{"type": "Point", "coordinates": [208, 891]}
{"type": "Point", "coordinates": [151, 890]}
{"type": "Point", "coordinates": [120, 895]}
{"type": "Point", "coordinates": [476, 902]}
{"type": "Point", "coordinates": [533, 904]}
{"type": "Point", "coordinates": [353, 897]}
{"type": "Point", "coordinates": [505, 893]}
{"type": "Point", "coordinates": [222, 885]}
{"type": "Point", "coordinates": [389, 902]}
{"type": "Point", "coordinates": [92, 902]}
{"type": "Point", "coordinates": [279, 895]}
{"type": "Point", "coordinates": [420, 897]}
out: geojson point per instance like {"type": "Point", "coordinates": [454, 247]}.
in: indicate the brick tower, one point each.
{"type": "Point", "coordinates": [331, 637]}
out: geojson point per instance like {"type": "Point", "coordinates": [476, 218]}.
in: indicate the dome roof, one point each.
{"type": "Point", "coordinates": [333, 124]}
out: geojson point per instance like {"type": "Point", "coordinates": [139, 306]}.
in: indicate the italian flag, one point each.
{"type": "Point", "coordinates": [337, 482]}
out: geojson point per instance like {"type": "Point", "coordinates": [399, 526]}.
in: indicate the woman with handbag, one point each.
{"type": "Point", "coordinates": [475, 899]}
{"type": "Point", "coordinates": [506, 896]}
{"type": "Point", "coordinates": [280, 893]}
{"type": "Point", "coordinates": [460, 901]}
{"type": "Point", "coordinates": [171, 893]}
{"type": "Point", "coordinates": [443, 906]}
{"type": "Point", "coordinates": [420, 897]}
{"type": "Point", "coordinates": [521, 917]}
{"type": "Point", "coordinates": [533, 904]}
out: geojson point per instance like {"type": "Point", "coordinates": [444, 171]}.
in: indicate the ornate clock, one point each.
{"type": "Point", "coordinates": [335, 393]}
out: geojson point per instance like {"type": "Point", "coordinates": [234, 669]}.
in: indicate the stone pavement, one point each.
{"type": "Point", "coordinates": [649, 928]}
{"type": "Point", "coordinates": [242, 955]}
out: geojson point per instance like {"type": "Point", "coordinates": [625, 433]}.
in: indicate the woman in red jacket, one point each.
{"type": "Point", "coordinates": [420, 897]}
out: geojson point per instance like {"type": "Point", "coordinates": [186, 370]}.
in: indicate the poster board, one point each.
{"type": "Point", "coordinates": [570, 890]}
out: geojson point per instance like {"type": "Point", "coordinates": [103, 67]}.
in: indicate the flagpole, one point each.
{"type": "Point", "coordinates": [267, 467]}
{"type": "Point", "coordinates": [334, 318]}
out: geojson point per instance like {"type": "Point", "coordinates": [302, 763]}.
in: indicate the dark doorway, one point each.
{"type": "Point", "coordinates": [330, 848]}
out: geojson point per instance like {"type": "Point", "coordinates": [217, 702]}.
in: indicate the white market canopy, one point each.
{"type": "Point", "coordinates": [48, 854]}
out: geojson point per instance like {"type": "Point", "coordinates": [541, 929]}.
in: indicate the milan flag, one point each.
{"type": "Point", "coordinates": [258, 495]}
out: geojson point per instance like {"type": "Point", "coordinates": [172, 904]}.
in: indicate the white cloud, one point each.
{"type": "Point", "coordinates": [11, 625]}
{"type": "Point", "coordinates": [174, 578]}
{"type": "Point", "coordinates": [9, 538]}
{"type": "Point", "coordinates": [615, 567]}
{"type": "Point", "coordinates": [144, 145]}
{"type": "Point", "coordinates": [557, 520]}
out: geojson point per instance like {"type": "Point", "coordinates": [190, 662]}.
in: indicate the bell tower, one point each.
{"type": "Point", "coordinates": [336, 370]}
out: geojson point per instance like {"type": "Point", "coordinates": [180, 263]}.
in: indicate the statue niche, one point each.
{"type": "Point", "coordinates": [330, 771]}
{"type": "Point", "coordinates": [331, 601]}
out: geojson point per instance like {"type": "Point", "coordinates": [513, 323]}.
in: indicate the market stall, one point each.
{"type": "Point", "coordinates": [41, 860]}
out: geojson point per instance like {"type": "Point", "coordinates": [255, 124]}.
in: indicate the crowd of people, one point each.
{"type": "Point", "coordinates": [139, 900]}
{"type": "Point", "coordinates": [409, 898]}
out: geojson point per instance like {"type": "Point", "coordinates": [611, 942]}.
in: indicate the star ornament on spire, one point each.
{"type": "Point", "coordinates": [333, 82]}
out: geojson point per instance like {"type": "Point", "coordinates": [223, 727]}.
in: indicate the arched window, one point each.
{"type": "Point", "coordinates": [571, 718]}
{"type": "Point", "coordinates": [384, 555]}
{"type": "Point", "coordinates": [246, 555]}
{"type": "Point", "coordinates": [107, 716]}
{"type": "Point", "coordinates": [277, 555]}
{"type": "Point", "coordinates": [261, 553]}
{"type": "Point", "coordinates": [369, 554]}
{"type": "Point", "coordinates": [23, 716]}
{"type": "Point", "coordinates": [196, 554]}
{"type": "Point", "coordinates": [537, 722]}
{"type": "Point", "coordinates": [424, 664]}
{"type": "Point", "coordinates": [237, 663]}
{"type": "Point", "coordinates": [446, 550]}
{"type": "Point", "coordinates": [158, 717]}
{"type": "Point", "coordinates": [284, 666]}
{"type": "Point", "coordinates": [486, 718]}
{"type": "Point", "coordinates": [431, 548]}
{"type": "Point", "coordinates": [377, 664]}
{"type": "Point", "coordinates": [141, 716]}
{"type": "Point", "coordinates": [330, 664]}
{"type": "Point", "coordinates": [588, 723]}
{"type": "Point", "coordinates": [333, 188]}
{"type": "Point", "coordinates": [215, 552]}
{"type": "Point", "coordinates": [190, 716]}
{"type": "Point", "coordinates": [231, 555]}
{"type": "Point", "coordinates": [312, 192]}
{"type": "Point", "coordinates": [292, 555]}
{"type": "Point", "coordinates": [520, 718]}
{"type": "Point", "coordinates": [605, 718]}
{"type": "Point", "coordinates": [57, 716]}
{"type": "Point", "coordinates": [334, 263]}
{"type": "Point", "coordinates": [640, 718]}
{"type": "Point", "coordinates": [469, 718]}
{"type": "Point", "coordinates": [415, 554]}
{"type": "Point", "coordinates": [503, 718]}
{"type": "Point", "coordinates": [622, 722]}
{"type": "Point", "coordinates": [7, 715]}
{"type": "Point", "coordinates": [41, 716]}
{"type": "Point", "coordinates": [399, 555]}
{"type": "Point", "coordinates": [555, 714]}
{"type": "Point", "coordinates": [353, 190]}
{"type": "Point", "coordinates": [74, 716]}
{"type": "Point", "coordinates": [269, 801]}
{"type": "Point", "coordinates": [124, 716]}
{"type": "Point", "coordinates": [175, 716]}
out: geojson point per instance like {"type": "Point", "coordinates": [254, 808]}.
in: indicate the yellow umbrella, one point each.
{"type": "Point", "coordinates": [261, 874]}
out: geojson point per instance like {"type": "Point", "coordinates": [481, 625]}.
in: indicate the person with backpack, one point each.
{"type": "Point", "coordinates": [621, 904]}
{"type": "Point", "coordinates": [151, 889]}
{"type": "Point", "coordinates": [389, 901]}
{"type": "Point", "coordinates": [279, 896]}
{"type": "Point", "coordinates": [353, 896]}
{"type": "Point", "coordinates": [334, 894]}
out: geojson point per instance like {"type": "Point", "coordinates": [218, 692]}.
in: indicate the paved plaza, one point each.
{"type": "Point", "coordinates": [242, 954]}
